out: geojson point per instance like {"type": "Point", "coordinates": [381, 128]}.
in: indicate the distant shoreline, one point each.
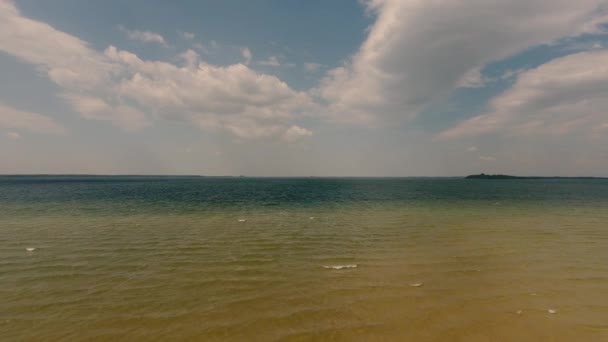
{"type": "Point", "coordinates": [96, 175]}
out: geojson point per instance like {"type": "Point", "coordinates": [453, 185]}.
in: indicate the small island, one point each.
{"type": "Point", "coordinates": [484, 176]}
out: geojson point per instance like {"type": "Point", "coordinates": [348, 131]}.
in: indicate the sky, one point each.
{"type": "Point", "coordinates": [304, 88]}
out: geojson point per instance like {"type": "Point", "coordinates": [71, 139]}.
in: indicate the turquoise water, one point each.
{"type": "Point", "coordinates": [198, 258]}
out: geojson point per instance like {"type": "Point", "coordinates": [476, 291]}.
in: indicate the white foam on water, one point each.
{"type": "Point", "coordinates": [518, 312]}
{"type": "Point", "coordinates": [339, 267]}
{"type": "Point", "coordinates": [30, 249]}
{"type": "Point", "coordinates": [312, 217]}
{"type": "Point", "coordinates": [416, 284]}
{"type": "Point", "coordinates": [242, 220]}
{"type": "Point", "coordinates": [552, 311]}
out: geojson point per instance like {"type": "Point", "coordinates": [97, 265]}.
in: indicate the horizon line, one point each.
{"type": "Point", "coordinates": [245, 176]}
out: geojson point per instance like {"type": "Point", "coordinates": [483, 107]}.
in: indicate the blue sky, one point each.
{"type": "Point", "coordinates": [297, 88]}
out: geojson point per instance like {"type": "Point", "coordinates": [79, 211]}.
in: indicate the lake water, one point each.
{"type": "Point", "coordinates": [323, 259]}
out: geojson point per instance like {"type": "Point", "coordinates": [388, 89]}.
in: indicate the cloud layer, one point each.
{"type": "Point", "coordinates": [117, 86]}
{"type": "Point", "coordinates": [14, 119]}
{"type": "Point", "coordinates": [417, 52]}
{"type": "Point", "coordinates": [147, 36]}
{"type": "Point", "coordinates": [565, 95]}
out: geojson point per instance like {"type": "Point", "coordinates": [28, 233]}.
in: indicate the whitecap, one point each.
{"type": "Point", "coordinates": [552, 311]}
{"type": "Point", "coordinates": [519, 312]}
{"type": "Point", "coordinates": [30, 249]}
{"type": "Point", "coordinates": [242, 220]}
{"type": "Point", "coordinates": [312, 217]}
{"type": "Point", "coordinates": [339, 267]}
{"type": "Point", "coordinates": [416, 284]}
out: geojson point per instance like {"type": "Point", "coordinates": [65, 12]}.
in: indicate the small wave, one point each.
{"type": "Point", "coordinates": [416, 284]}
{"type": "Point", "coordinates": [242, 220]}
{"type": "Point", "coordinates": [339, 267]}
{"type": "Point", "coordinates": [30, 249]}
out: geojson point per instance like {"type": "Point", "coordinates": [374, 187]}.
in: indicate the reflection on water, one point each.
{"type": "Point", "coordinates": [381, 268]}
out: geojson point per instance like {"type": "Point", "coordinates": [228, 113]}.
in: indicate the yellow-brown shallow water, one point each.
{"type": "Point", "coordinates": [364, 268]}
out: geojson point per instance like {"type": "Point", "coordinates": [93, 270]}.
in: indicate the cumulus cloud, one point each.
{"type": "Point", "coordinates": [144, 36]}
{"type": "Point", "coordinates": [246, 53]}
{"type": "Point", "coordinates": [510, 74]}
{"type": "Point", "coordinates": [119, 87]}
{"type": "Point", "coordinates": [188, 35]}
{"type": "Point", "coordinates": [565, 95]}
{"type": "Point", "coordinates": [247, 104]}
{"type": "Point", "coordinates": [473, 79]}
{"type": "Point", "coordinates": [67, 60]}
{"type": "Point", "coordinates": [13, 135]}
{"type": "Point", "coordinates": [417, 52]}
{"type": "Point", "coordinates": [312, 67]}
{"type": "Point", "coordinates": [95, 108]}
{"type": "Point", "coordinates": [295, 133]}
{"type": "Point", "coordinates": [271, 61]}
{"type": "Point", "coordinates": [11, 118]}
{"type": "Point", "coordinates": [190, 58]}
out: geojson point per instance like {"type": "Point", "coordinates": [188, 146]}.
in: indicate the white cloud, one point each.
{"type": "Point", "coordinates": [144, 36]}
{"type": "Point", "coordinates": [565, 95]}
{"type": "Point", "coordinates": [67, 60]}
{"type": "Point", "coordinates": [417, 52]}
{"type": "Point", "coordinates": [235, 98]}
{"type": "Point", "coordinates": [246, 53]}
{"type": "Point", "coordinates": [271, 61]}
{"type": "Point", "coordinates": [11, 118]}
{"type": "Point", "coordinates": [574, 45]}
{"type": "Point", "coordinates": [188, 35]}
{"type": "Point", "coordinates": [119, 87]}
{"type": "Point", "coordinates": [312, 67]}
{"type": "Point", "coordinates": [200, 48]}
{"type": "Point", "coordinates": [509, 74]}
{"type": "Point", "coordinates": [295, 133]}
{"type": "Point", "coordinates": [191, 58]}
{"type": "Point", "coordinates": [472, 79]}
{"type": "Point", "coordinates": [13, 135]}
{"type": "Point", "coordinates": [94, 108]}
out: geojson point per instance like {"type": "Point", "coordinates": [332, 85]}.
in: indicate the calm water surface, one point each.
{"type": "Point", "coordinates": [242, 259]}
